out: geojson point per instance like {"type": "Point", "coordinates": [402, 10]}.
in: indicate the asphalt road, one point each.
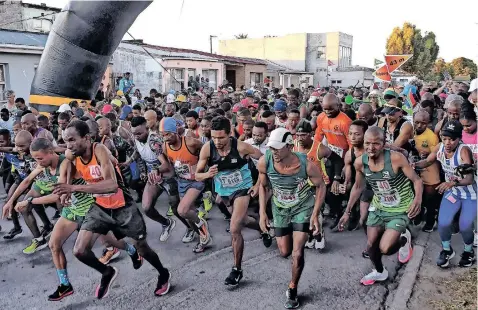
{"type": "Point", "coordinates": [330, 279]}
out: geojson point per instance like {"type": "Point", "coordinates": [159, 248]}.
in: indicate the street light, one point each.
{"type": "Point", "coordinates": [210, 41]}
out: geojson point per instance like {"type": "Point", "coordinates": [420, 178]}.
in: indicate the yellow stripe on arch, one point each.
{"type": "Point", "coordinates": [51, 100]}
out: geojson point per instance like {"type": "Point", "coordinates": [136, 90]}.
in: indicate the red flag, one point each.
{"type": "Point", "coordinates": [382, 73]}
{"type": "Point", "coordinates": [329, 63]}
{"type": "Point", "coordinates": [394, 62]}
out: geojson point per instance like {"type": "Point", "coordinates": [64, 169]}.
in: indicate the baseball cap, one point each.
{"type": "Point", "coordinates": [181, 98]}
{"type": "Point", "coordinates": [168, 124]}
{"type": "Point", "coordinates": [452, 129]}
{"type": "Point", "coordinates": [116, 102]}
{"type": "Point", "coordinates": [64, 107]}
{"type": "Point", "coordinates": [390, 94]}
{"type": "Point", "coordinates": [473, 85]}
{"type": "Point", "coordinates": [236, 107]}
{"type": "Point", "coordinates": [107, 108]}
{"type": "Point", "coordinates": [280, 106]}
{"type": "Point", "coordinates": [119, 93]}
{"type": "Point", "coordinates": [391, 108]}
{"type": "Point", "coordinates": [279, 138]}
{"type": "Point", "coordinates": [250, 93]}
{"type": "Point", "coordinates": [125, 111]}
{"type": "Point", "coordinates": [304, 126]}
{"type": "Point", "coordinates": [170, 98]}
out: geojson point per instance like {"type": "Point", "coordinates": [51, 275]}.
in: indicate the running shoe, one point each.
{"type": "Point", "coordinates": [292, 301]}
{"type": "Point", "coordinates": [365, 254]}
{"type": "Point", "coordinates": [310, 243]}
{"type": "Point", "coordinates": [189, 236]}
{"type": "Point", "coordinates": [167, 230]}
{"type": "Point", "coordinates": [428, 227]}
{"type": "Point", "coordinates": [164, 284]}
{"type": "Point", "coordinates": [405, 252]}
{"type": "Point", "coordinates": [475, 239]}
{"type": "Point", "coordinates": [61, 292]}
{"type": "Point", "coordinates": [204, 235]}
{"type": "Point", "coordinates": [234, 277]}
{"type": "Point", "coordinates": [107, 280]}
{"type": "Point", "coordinates": [467, 259]}
{"type": "Point", "coordinates": [207, 201]}
{"type": "Point", "coordinates": [445, 257]}
{"type": "Point", "coordinates": [202, 214]}
{"type": "Point", "coordinates": [170, 212]}
{"type": "Point", "coordinates": [46, 231]}
{"type": "Point", "coordinates": [35, 246]}
{"type": "Point", "coordinates": [109, 255]}
{"type": "Point", "coordinates": [266, 239]}
{"type": "Point", "coordinates": [199, 248]}
{"type": "Point", "coordinates": [319, 243]}
{"type": "Point", "coordinates": [374, 276]}
{"type": "Point", "coordinates": [137, 260]}
{"type": "Point", "coordinates": [12, 233]}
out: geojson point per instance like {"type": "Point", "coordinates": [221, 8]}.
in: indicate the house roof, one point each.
{"type": "Point", "coordinates": [14, 37]}
{"type": "Point", "coordinates": [41, 7]}
{"type": "Point", "coordinates": [231, 59]}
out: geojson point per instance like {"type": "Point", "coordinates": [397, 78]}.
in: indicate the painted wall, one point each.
{"type": "Point", "coordinates": [37, 25]}
{"type": "Point", "coordinates": [314, 62]}
{"type": "Point", "coordinates": [19, 69]}
{"type": "Point", "coordinates": [350, 78]}
{"type": "Point", "coordinates": [248, 69]}
{"type": "Point", "coordinates": [198, 66]}
{"type": "Point", "coordinates": [288, 50]}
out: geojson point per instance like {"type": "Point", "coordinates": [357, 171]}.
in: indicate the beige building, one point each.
{"type": "Point", "coordinates": [301, 52]}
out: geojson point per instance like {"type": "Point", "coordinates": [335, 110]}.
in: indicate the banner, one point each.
{"type": "Point", "coordinates": [377, 62]}
{"type": "Point", "coordinates": [394, 62]}
{"type": "Point", "coordinates": [382, 73]}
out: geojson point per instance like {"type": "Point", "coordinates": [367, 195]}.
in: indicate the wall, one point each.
{"type": "Point", "coordinates": [145, 71]}
{"type": "Point", "coordinates": [314, 64]}
{"type": "Point", "coordinates": [288, 50]}
{"type": "Point", "coordinates": [20, 69]}
{"type": "Point", "coordinates": [197, 65]}
{"type": "Point", "coordinates": [247, 74]}
{"type": "Point", "coordinates": [11, 11]}
{"type": "Point", "coordinates": [350, 78]}
{"type": "Point", "coordinates": [37, 25]}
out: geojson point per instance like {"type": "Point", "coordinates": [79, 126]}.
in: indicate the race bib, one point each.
{"type": "Point", "coordinates": [388, 197]}
{"type": "Point", "coordinates": [182, 170]}
{"type": "Point", "coordinates": [231, 180]}
{"type": "Point", "coordinates": [286, 197]}
{"type": "Point", "coordinates": [337, 150]}
{"type": "Point", "coordinates": [95, 172]}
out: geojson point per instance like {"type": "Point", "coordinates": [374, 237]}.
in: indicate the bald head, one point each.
{"type": "Point", "coordinates": [151, 119]}
{"type": "Point", "coordinates": [375, 132]}
{"type": "Point", "coordinates": [104, 126]}
{"type": "Point", "coordinates": [422, 116]}
{"type": "Point", "coordinates": [30, 117]}
{"type": "Point", "coordinates": [23, 139]}
{"type": "Point", "coordinates": [330, 105]}
{"type": "Point", "coordinates": [331, 99]}
{"type": "Point", "coordinates": [150, 114]}
{"type": "Point", "coordinates": [93, 127]}
{"type": "Point", "coordinates": [427, 96]}
{"type": "Point", "coordinates": [365, 112]}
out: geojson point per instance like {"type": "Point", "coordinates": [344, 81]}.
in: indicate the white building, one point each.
{"type": "Point", "coordinates": [15, 13]}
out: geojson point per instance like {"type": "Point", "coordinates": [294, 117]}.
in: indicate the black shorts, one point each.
{"type": "Point", "coordinates": [126, 221]}
{"type": "Point", "coordinates": [367, 195]}
{"type": "Point", "coordinates": [229, 200]}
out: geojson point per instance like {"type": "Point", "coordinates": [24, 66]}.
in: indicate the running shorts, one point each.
{"type": "Point", "coordinates": [69, 215]}
{"type": "Point", "coordinates": [126, 221]}
{"type": "Point", "coordinates": [367, 195]}
{"type": "Point", "coordinates": [389, 220]}
{"type": "Point", "coordinates": [184, 185]}
{"type": "Point", "coordinates": [229, 200]}
{"type": "Point", "coordinates": [287, 220]}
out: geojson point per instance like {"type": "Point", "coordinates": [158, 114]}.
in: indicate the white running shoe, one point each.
{"type": "Point", "coordinates": [320, 245]}
{"type": "Point", "coordinates": [167, 230]}
{"type": "Point", "coordinates": [405, 252]}
{"type": "Point", "coordinates": [374, 276]}
{"type": "Point", "coordinates": [310, 242]}
{"type": "Point", "coordinates": [189, 236]}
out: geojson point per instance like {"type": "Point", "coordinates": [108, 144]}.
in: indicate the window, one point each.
{"type": "Point", "coordinates": [212, 76]}
{"type": "Point", "coordinates": [176, 80]}
{"type": "Point", "coordinates": [3, 95]}
{"type": "Point", "coordinates": [256, 78]}
{"type": "Point", "coordinates": [336, 82]}
{"type": "Point", "coordinates": [191, 72]}
{"type": "Point", "coordinates": [321, 52]}
{"type": "Point", "coordinates": [269, 81]}
{"type": "Point", "coordinates": [345, 56]}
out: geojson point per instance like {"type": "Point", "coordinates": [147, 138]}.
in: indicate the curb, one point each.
{"type": "Point", "coordinates": [405, 287]}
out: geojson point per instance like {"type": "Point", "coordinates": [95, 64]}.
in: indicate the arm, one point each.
{"type": "Point", "coordinates": [358, 187]}
{"type": "Point", "coordinates": [336, 160]}
{"type": "Point", "coordinates": [467, 158]}
{"type": "Point", "coordinates": [63, 178]}
{"type": "Point", "coordinates": [263, 186]}
{"type": "Point", "coordinates": [397, 149]}
{"type": "Point", "coordinates": [438, 126]}
{"type": "Point", "coordinates": [303, 111]}
{"type": "Point", "coordinates": [109, 184]}
{"type": "Point", "coordinates": [315, 176]}
{"type": "Point", "coordinates": [431, 158]}
{"type": "Point", "coordinates": [24, 185]}
{"type": "Point", "coordinates": [402, 163]}
{"type": "Point", "coordinates": [348, 170]}
{"type": "Point", "coordinates": [405, 133]}
{"type": "Point", "coordinates": [248, 149]}
{"type": "Point", "coordinates": [201, 175]}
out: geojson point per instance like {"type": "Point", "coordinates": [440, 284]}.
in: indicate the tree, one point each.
{"type": "Point", "coordinates": [241, 36]}
{"type": "Point", "coordinates": [464, 66]}
{"type": "Point", "coordinates": [409, 40]}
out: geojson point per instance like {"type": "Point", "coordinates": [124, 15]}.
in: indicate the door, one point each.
{"type": "Point", "coordinates": [231, 77]}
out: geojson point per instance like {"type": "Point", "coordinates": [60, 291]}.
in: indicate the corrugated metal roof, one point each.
{"type": "Point", "coordinates": [22, 38]}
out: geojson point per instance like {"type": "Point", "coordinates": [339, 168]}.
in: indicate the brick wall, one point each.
{"type": "Point", "coordinates": [11, 11]}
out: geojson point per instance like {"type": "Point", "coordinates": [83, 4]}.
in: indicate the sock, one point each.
{"type": "Point", "coordinates": [446, 245]}
{"type": "Point", "coordinates": [63, 276]}
{"type": "Point", "coordinates": [130, 249]}
{"type": "Point", "coordinates": [468, 247]}
{"type": "Point", "coordinates": [110, 248]}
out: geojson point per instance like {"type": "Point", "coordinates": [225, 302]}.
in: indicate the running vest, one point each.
{"type": "Point", "coordinates": [146, 153]}
{"type": "Point", "coordinates": [448, 165]}
{"type": "Point", "coordinates": [45, 180]}
{"type": "Point", "coordinates": [390, 137]}
{"type": "Point", "coordinates": [80, 202]}
{"type": "Point", "coordinates": [313, 156]}
{"type": "Point", "coordinates": [183, 161]}
{"type": "Point", "coordinates": [290, 191]}
{"type": "Point", "coordinates": [234, 173]}
{"type": "Point", "coordinates": [392, 192]}
{"type": "Point", "coordinates": [91, 173]}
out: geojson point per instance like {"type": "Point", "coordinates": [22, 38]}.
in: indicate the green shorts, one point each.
{"type": "Point", "coordinates": [389, 220]}
{"type": "Point", "coordinates": [287, 220]}
{"type": "Point", "coordinates": [43, 188]}
{"type": "Point", "coordinates": [69, 215]}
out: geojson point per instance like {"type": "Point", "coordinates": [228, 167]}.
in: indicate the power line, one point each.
{"type": "Point", "coordinates": [35, 17]}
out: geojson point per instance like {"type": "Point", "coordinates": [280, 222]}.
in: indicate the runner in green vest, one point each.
{"type": "Point", "coordinates": [394, 203]}
{"type": "Point", "coordinates": [294, 207]}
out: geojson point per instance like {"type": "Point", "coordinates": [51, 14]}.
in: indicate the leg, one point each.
{"type": "Point", "coordinates": [82, 251]}
{"type": "Point", "coordinates": [284, 243]}
{"type": "Point", "coordinates": [239, 213]}
{"type": "Point", "coordinates": [61, 232]}
{"type": "Point", "coordinates": [431, 199]}
{"type": "Point", "coordinates": [150, 195]}
{"type": "Point", "coordinates": [390, 242]}
{"type": "Point", "coordinates": [149, 255]}
{"type": "Point", "coordinates": [40, 210]}
{"type": "Point", "coordinates": [374, 234]}
{"type": "Point", "coordinates": [299, 239]}
{"type": "Point", "coordinates": [446, 215]}
{"type": "Point", "coordinates": [31, 221]}
{"type": "Point", "coordinates": [185, 207]}
{"type": "Point", "coordinates": [467, 217]}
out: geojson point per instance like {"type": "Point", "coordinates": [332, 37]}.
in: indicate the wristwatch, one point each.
{"type": "Point", "coordinates": [29, 200]}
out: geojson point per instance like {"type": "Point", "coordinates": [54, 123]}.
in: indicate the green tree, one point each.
{"type": "Point", "coordinates": [464, 66]}
{"type": "Point", "coordinates": [242, 36]}
{"type": "Point", "coordinates": [409, 40]}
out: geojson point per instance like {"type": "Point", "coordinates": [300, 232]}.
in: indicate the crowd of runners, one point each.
{"type": "Point", "coordinates": [280, 161]}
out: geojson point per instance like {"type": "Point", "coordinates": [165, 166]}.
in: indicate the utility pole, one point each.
{"type": "Point", "coordinates": [210, 41]}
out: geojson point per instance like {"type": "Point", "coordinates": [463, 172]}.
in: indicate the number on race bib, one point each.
{"type": "Point", "coordinates": [337, 150]}
{"type": "Point", "coordinates": [383, 186]}
{"type": "Point", "coordinates": [231, 180]}
{"type": "Point", "coordinates": [95, 172]}
{"type": "Point", "coordinates": [286, 197]}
